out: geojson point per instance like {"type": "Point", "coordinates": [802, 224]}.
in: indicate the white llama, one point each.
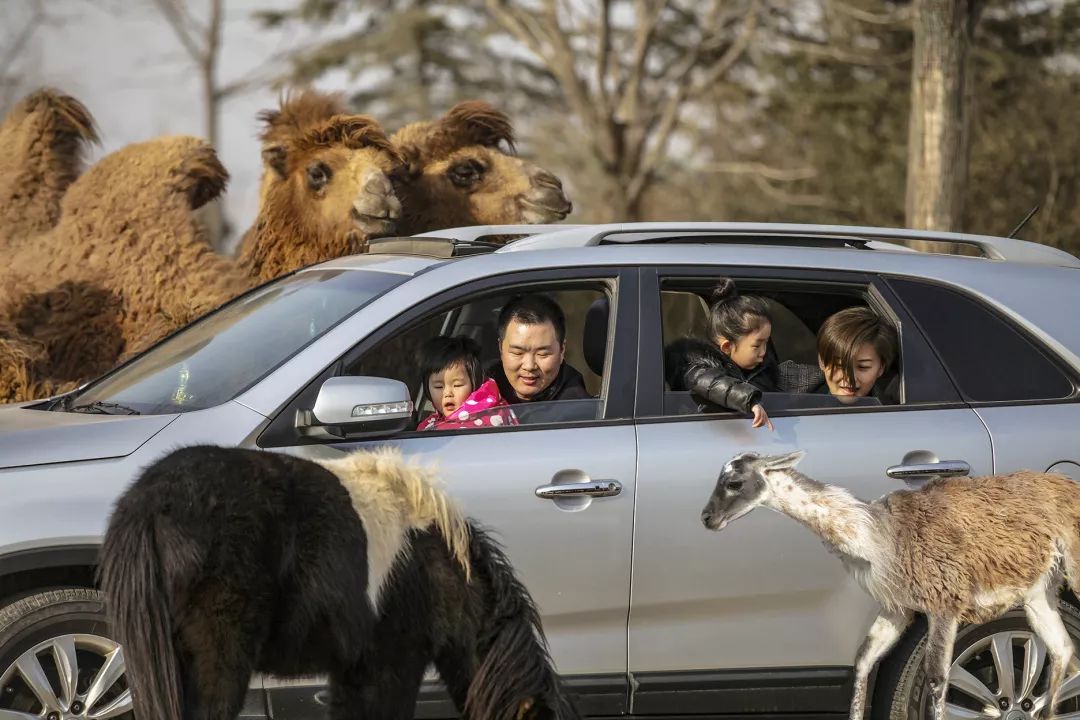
{"type": "Point", "coordinates": [958, 550]}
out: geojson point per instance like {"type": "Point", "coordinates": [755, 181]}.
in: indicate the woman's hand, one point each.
{"type": "Point", "coordinates": [761, 418]}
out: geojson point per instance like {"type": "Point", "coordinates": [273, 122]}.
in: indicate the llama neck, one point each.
{"type": "Point", "coordinates": [843, 522]}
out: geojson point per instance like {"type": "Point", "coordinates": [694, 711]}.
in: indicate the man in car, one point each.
{"type": "Point", "coordinates": [532, 349]}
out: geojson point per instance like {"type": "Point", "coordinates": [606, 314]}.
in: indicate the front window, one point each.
{"type": "Point", "coordinates": [218, 357]}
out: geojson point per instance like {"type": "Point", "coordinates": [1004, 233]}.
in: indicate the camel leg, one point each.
{"type": "Point", "coordinates": [939, 650]}
{"type": "Point", "coordinates": [1042, 614]}
{"type": "Point", "coordinates": [883, 634]}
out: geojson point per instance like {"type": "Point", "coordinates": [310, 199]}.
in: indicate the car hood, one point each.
{"type": "Point", "coordinates": [37, 437]}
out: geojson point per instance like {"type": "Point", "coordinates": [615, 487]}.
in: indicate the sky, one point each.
{"type": "Point", "coordinates": [123, 61]}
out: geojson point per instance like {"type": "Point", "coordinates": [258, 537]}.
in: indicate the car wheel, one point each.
{"type": "Point", "coordinates": [57, 660]}
{"type": "Point", "coordinates": [998, 671]}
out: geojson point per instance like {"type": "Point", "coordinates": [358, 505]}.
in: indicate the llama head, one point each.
{"type": "Point", "coordinates": [746, 481]}
{"type": "Point", "coordinates": [461, 169]}
{"type": "Point", "coordinates": [327, 171]}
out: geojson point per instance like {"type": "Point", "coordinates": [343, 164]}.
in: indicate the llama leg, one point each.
{"type": "Point", "coordinates": [1042, 613]}
{"type": "Point", "coordinates": [379, 688]}
{"type": "Point", "coordinates": [883, 634]}
{"type": "Point", "coordinates": [939, 650]}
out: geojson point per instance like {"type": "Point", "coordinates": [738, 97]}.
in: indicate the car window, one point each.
{"type": "Point", "coordinates": [797, 310]}
{"type": "Point", "coordinates": [588, 310]}
{"type": "Point", "coordinates": [989, 358]}
{"type": "Point", "coordinates": [219, 356]}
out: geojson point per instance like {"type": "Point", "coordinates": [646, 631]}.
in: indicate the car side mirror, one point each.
{"type": "Point", "coordinates": [352, 407]}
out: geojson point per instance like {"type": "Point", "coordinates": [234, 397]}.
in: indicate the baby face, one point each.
{"type": "Point", "coordinates": [448, 388]}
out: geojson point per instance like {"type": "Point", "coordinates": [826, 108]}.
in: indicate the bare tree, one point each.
{"type": "Point", "coordinates": [628, 71]}
{"type": "Point", "coordinates": [939, 126]}
{"type": "Point", "coordinates": [201, 39]}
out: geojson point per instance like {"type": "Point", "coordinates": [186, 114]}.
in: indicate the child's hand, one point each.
{"type": "Point", "coordinates": [761, 418]}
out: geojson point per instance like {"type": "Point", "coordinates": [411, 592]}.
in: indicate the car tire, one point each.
{"type": "Point", "coordinates": [57, 656]}
{"type": "Point", "coordinates": [902, 692]}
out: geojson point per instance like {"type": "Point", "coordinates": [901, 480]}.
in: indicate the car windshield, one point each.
{"type": "Point", "coordinates": [218, 357]}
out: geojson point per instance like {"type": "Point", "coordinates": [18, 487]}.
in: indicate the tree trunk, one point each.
{"type": "Point", "coordinates": [213, 214]}
{"type": "Point", "coordinates": [938, 130]}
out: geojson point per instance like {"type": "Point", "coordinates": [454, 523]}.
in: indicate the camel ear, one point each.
{"type": "Point", "coordinates": [276, 157]}
{"type": "Point", "coordinates": [203, 177]}
{"type": "Point", "coordinates": [784, 462]}
{"type": "Point", "coordinates": [475, 122]}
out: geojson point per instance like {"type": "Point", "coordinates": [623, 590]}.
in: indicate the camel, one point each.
{"type": "Point", "coordinates": [325, 188]}
{"type": "Point", "coordinates": [125, 265]}
{"type": "Point", "coordinates": [44, 138]}
{"type": "Point", "coordinates": [456, 174]}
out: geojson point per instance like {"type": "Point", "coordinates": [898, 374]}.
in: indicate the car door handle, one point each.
{"type": "Point", "coordinates": [945, 468]}
{"type": "Point", "coordinates": [590, 488]}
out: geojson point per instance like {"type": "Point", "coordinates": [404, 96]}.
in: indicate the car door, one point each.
{"type": "Point", "coordinates": [572, 552]}
{"type": "Point", "coordinates": [760, 617]}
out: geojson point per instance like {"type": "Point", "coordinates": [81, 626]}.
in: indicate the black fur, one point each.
{"type": "Point", "coordinates": [219, 562]}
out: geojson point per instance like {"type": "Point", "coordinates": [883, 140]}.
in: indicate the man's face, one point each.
{"type": "Point", "coordinates": [531, 357]}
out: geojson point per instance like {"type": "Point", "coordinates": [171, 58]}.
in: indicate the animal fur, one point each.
{"type": "Point", "coordinates": [301, 223]}
{"type": "Point", "coordinates": [959, 550]}
{"type": "Point", "coordinates": [219, 562]}
{"type": "Point", "coordinates": [457, 174]}
{"type": "Point", "coordinates": [44, 138]}
{"type": "Point", "coordinates": [125, 265]}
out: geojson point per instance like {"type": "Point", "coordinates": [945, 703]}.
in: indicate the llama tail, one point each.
{"type": "Point", "coordinates": [131, 575]}
{"type": "Point", "coordinates": [516, 672]}
{"type": "Point", "coordinates": [386, 489]}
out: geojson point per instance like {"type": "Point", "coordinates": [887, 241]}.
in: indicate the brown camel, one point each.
{"type": "Point", "coordinates": [457, 174]}
{"type": "Point", "coordinates": [44, 140]}
{"type": "Point", "coordinates": [325, 189]}
{"type": "Point", "coordinates": [125, 265]}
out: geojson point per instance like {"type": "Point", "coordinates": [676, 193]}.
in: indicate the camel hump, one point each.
{"type": "Point", "coordinates": [63, 114]}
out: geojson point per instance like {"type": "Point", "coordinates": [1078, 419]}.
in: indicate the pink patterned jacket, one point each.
{"type": "Point", "coordinates": [485, 407]}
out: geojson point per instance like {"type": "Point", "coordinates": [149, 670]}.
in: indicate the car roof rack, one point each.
{"type": "Point", "coordinates": [429, 246]}
{"type": "Point", "coordinates": [543, 237]}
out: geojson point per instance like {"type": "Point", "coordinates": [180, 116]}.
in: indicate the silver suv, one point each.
{"type": "Point", "coordinates": [647, 612]}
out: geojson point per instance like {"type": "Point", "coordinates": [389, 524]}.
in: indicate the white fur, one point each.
{"type": "Point", "coordinates": [392, 499]}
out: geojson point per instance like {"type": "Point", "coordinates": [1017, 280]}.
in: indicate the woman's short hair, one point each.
{"type": "Point", "coordinates": [844, 332]}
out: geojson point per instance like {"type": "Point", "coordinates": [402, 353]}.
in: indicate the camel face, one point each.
{"type": "Point", "coordinates": [458, 173]}
{"type": "Point", "coordinates": [339, 190]}
{"type": "Point", "coordinates": [493, 188]}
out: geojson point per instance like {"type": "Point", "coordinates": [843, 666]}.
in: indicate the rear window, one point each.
{"type": "Point", "coordinates": [989, 358]}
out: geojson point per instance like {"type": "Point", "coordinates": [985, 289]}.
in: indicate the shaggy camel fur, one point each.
{"type": "Point", "coordinates": [44, 140]}
{"type": "Point", "coordinates": [959, 550]}
{"type": "Point", "coordinates": [325, 188]}
{"type": "Point", "coordinates": [125, 265]}
{"type": "Point", "coordinates": [456, 174]}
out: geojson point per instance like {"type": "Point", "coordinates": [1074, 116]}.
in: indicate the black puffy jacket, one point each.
{"type": "Point", "coordinates": [715, 381]}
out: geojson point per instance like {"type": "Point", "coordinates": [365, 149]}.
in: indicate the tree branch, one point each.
{"type": "Point", "coordinates": [603, 49]}
{"type": "Point", "coordinates": [734, 167]}
{"type": "Point", "coordinates": [184, 26]}
{"type": "Point", "coordinates": [896, 17]}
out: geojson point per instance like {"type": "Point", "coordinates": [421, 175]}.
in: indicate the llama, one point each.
{"type": "Point", "coordinates": [325, 188]}
{"type": "Point", "coordinates": [219, 562]}
{"type": "Point", "coordinates": [456, 174]}
{"type": "Point", "coordinates": [44, 140]}
{"type": "Point", "coordinates": [958, 550]}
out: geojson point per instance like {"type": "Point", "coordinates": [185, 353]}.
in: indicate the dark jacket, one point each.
{"type": "Point", "coordinates": [569, 384]}
{"type": "Point", "coordinates": [715, 381]}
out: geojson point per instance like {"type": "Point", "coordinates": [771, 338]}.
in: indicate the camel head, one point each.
{"type": "Point", "coordinates": [45, 138]}
{"type": "Point", "coordinates": [457, 173]}
{"type": "Point", "coordinates": [327, 171]}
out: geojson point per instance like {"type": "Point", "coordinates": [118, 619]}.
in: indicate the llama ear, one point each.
{"type": "Point", "coordinates": [785, 462]}
{"type": "Point", "coordinates": [275, 157]}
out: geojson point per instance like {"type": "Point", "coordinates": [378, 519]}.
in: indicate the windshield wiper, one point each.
{"type": "Point", "coordinates": [105, 408]}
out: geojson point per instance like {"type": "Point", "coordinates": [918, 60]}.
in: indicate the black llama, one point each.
{"type": "Point", "coordinates": [220, 562]}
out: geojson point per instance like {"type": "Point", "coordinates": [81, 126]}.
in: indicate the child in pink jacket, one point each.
{"type": "Point", "coordinates": [453, 381]}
